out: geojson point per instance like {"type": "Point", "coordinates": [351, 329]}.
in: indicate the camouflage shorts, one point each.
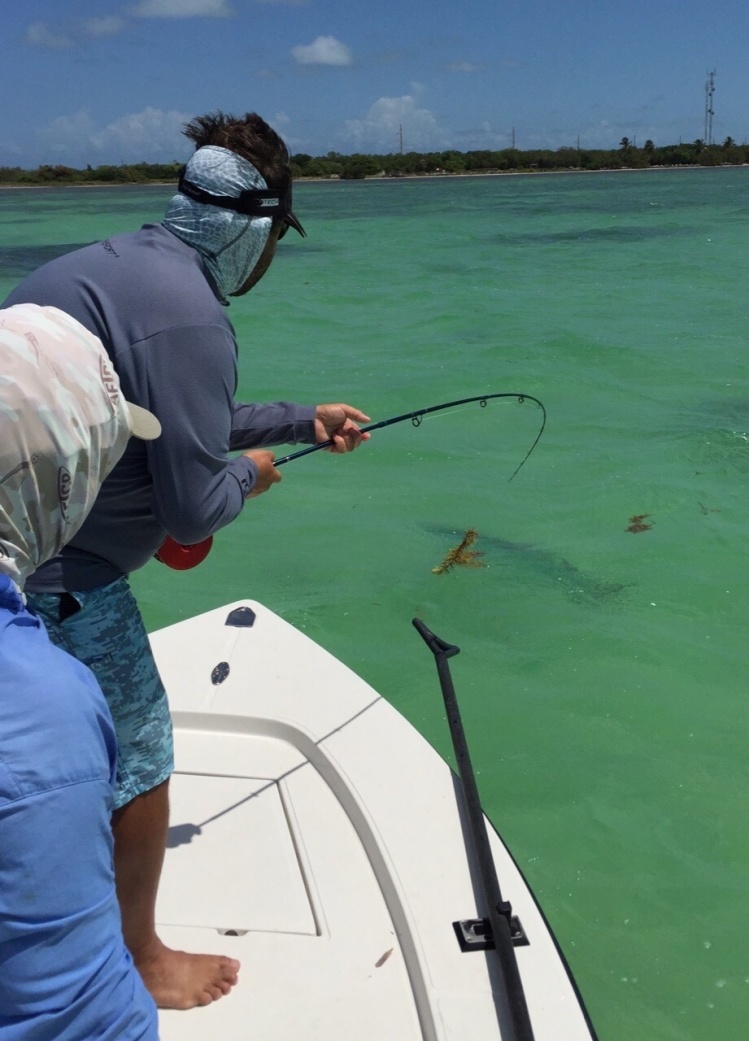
{"type": "Point", "coordinates": [108, 635]}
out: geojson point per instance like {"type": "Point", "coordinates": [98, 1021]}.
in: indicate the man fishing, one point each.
{"type": "Point", "coordinates": [157, 300]}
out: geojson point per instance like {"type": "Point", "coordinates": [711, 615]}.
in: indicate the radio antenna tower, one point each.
{"type": "Point", "coordinates": [709, 91]}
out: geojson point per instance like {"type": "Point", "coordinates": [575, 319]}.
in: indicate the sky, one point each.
{"type": "Point", "coordinates": [89, 82]}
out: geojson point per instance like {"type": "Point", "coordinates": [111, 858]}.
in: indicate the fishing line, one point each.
{"type": "Point", "coordinates": [416, 420]}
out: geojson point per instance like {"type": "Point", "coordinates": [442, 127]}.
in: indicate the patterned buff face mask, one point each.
{"type": "Point", "coordinates": [63, 426]}
{"type": "Point", "coordinates": [230, 243]}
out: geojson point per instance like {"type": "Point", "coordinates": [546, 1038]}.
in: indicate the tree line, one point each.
{"type": "Point", "coordinates": [514, 160]}
{"type": "Point", "coordinates": [137, 173]}
{"type": "Point", "coordinates": [334, 165]}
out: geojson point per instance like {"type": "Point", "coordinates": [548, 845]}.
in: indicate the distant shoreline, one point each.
{"type": "Point", "coordinates": [517, 173]}
{"type": "Point", "coordinates": [399, 177]}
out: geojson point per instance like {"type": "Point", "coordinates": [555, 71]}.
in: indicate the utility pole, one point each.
{"type": "Point", "coordinates": [709, 91]}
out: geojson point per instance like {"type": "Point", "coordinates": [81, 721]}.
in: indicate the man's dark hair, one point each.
{"type": "Point", "coordinates": [248, 136]}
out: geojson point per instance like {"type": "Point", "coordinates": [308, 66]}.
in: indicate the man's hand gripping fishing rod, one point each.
{"type": "Point", "coordinates": [336, 429]}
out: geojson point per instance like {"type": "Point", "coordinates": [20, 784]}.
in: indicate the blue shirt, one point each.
{"type": "Point", "coordinates": [65, 973]}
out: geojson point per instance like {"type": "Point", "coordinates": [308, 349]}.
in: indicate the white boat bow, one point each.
{"type": "Point", "coordinates": [319, 839]}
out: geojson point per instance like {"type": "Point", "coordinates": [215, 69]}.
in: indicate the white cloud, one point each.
{"type": "Point", "coordinates": [9, 149]}
{"type": "Point", "coordinates": [482, 136]}
{"type": "Point", "coordinates": [67, 133]}
{"type": "Point", "coordinates": [39, 35]}
{"type": "Point", "coordinates": [380, 129]}
{"type": "Point", "coordinates": [463, 66]}
{"type": "Point", "coordinates": [280, 121]}
{"type": "Point", "coordinates": [107, 26]}
{"type": "Point", "coordinates": [182, 9]}
{"type": "Point", "coordinates": [152, 135]}
{"type": "Point", "coordinates": [325, 50]}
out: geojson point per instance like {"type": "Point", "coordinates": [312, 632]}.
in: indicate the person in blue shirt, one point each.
{"type": "Point", "coordinates": [65, 973]}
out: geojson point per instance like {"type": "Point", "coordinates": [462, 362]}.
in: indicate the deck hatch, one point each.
{"type": "Point", "coordinates": [224, 820]}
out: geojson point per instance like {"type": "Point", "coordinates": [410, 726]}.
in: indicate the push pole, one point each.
{"type": "Point", "coordinates": [499, 910]}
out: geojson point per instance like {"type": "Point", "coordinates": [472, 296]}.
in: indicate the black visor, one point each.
{"type": "Point", "coordinates": [253, 202]}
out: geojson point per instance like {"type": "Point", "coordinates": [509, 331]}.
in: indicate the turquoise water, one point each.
{"type": "Point", "coordinates": [602, 671]}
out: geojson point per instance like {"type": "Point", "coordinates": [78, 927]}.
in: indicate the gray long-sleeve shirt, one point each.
{"type": "Point", "coordinates": [147, 296]}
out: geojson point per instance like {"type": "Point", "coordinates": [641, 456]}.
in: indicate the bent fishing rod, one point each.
{"type": "Point", "coordinates": [416, 419]}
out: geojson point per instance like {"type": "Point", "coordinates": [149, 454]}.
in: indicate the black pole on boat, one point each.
{"type": "Point", "coordinates": [499, 910]}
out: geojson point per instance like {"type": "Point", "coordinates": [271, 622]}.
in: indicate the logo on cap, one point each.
{"type": "Point", "coordinates": [110, 382]}
{"type": "Point", "coordinates": [64, 483]}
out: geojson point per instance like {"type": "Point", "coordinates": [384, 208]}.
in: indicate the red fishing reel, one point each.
{"type": "Point", "coordinates": [182, 558]}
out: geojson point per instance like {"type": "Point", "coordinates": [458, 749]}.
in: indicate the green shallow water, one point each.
{"type": "Point", "coordinates": [602, 672]}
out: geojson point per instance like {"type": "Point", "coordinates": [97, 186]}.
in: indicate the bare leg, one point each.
{"type": "Point", "coordinates": [175, 979]}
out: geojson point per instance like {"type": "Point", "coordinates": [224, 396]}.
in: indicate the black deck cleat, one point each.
{"type": "Point", "coordinates": [241, 617]}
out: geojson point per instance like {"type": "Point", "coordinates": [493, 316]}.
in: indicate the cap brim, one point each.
{"type": "Point", "coordinates": [143, 423]}
{"type": "Point", "coordinates": [294, 223]}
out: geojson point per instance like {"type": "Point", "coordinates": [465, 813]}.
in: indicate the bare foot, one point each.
{"type": "Point", "coordinates": [180, 980]}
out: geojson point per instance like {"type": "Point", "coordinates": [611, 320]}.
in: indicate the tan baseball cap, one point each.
{"type": "Point", "coordinates": [64, 425]}
{"type": "Point", "coordinates": [144, 424]}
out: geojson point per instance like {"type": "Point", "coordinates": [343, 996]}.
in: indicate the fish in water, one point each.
{"type": "Point", "coordinates": [537, 564]}
{"type": "Point", "coordinates": [637, 523]}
